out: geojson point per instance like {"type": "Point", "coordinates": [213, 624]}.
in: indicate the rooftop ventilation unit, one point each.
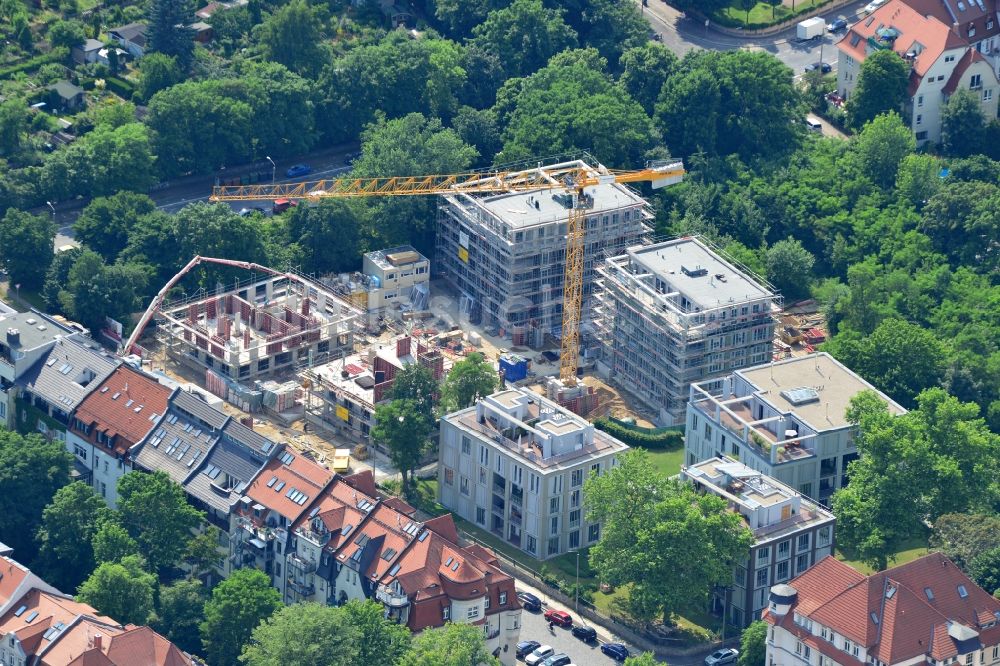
{"type": "Point", "coordinates": [800, 396]}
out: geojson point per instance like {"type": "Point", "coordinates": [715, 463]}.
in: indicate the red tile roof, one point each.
{"type": "Point", "coordinates": [289, 471]}
{"type": "Point", "coordinates": [12, 574]}
{"type": "Point", "coordinates": [112, 406]}
{"type": "Point", "coordinates": [914, 604]}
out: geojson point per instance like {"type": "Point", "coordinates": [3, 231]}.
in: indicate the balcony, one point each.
{"type": "Point", "coordinates": [516, 496]}
{"type": "Point", "coordinates": [302, 589]}
{"type": "Point", "coordinates": [390, 598]}
{"type": "Point", "coordinates": [295, 561]}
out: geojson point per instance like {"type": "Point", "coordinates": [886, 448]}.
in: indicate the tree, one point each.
{"type": "Point", "coordinates": [753, 644]}
{"type": "Point", "coordinates": [644, 659]}
{"type": "Point", "coordinates": [882, 145]}
{"type": "Point", "coordinates": [963, 125]}
{"type": "Point", "coordinates": [985, 570]}
{"type": "Point", "coordinates": [26, 247]}
{"type": "Point", "coordinates": [181, 607]}
{"type": "Point", "coordinates": [688, 112]}
{"type": "Point", "coordinates": [58, 275]}
{"type": "Point", "coordinates": [382, 640]}
{"type": "Point", "coordinates": [95, 290]}
{"type": "Point", "coordinates": [471, 378]}
{"type": "Point", "coordinates": [450, 645]}
{"type": "Point", "coordinates": [962, 219]}
{"type": "Point", "coordinates": [303, 635]}
{"type": "Point", "coordinates": [69, 522]}
{"type": "Point", "coordinates": [202, 552]}
{"type": "Point", "coordinates": [167, 32]}
{"type": "Point", "coordinates": [670, 544]}
{"type": "Point", "coordinates": [156, 72]}
{"type": "Point", "coordinates": [524, 35]}
{"type": "Point", "coordinates": [917, 179]}
{"type": "Point", "coordinates": [32, 469]}
{"type": "Point", "coordinates": [291, 36]}
{"type": "Point", "coordinates": [881, 87]}
{"type": "Point", "coordinates": [67, 34]}
{"type": "Point", "coordinates": [104, 161]}
{"type": "Point", "coordinates": [645, 69]}
{"type": "Point", "coordinates": [457, 18]}
{"type": "Point", "coordinates": [415, 382]}
{"type": "Point", "coordinates": [789, 268]}
{"type": "Point", "coordinates": [13, 126]}
{"type": "Point", "coordinates": [572, 105]}
{"type": "Point", "coordinates": [328, 234]}
{"type": "Point", "coordinates": [402, 427]}
{"type": "Point", "coordinates": [480, 129]}
{"type": "Point", "coordinates": [238, 604]}
{"type": "Point", "coordinates": [122, 590]}
{"type": "Point", "coordinates": [105, 224]}
{"type": "Point", "coordinates": [965, 536]}
{"type": "Point", "coordinates": [155, 512]}
{"type": "Point", "coordinates": [112, 543]}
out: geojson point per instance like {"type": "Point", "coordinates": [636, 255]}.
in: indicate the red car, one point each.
{"type": "Point", "coordinates": [562, 618]}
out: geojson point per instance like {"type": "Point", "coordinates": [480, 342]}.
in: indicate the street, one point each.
{"type": "Point", "coordinates": [681, 34]}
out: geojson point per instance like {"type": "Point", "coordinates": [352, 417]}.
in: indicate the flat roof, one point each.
{"type": "Point", "coordinates": [518, 209]}
{"type": "Point", "coordinates": [834, 383]}
{"type": "Point", "coordinates": [708, 281]}
{"type": "Point", "coordinates": [35, 328]}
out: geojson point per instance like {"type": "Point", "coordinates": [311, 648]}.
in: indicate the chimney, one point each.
{"type": "Point", "coordinates": [13, 337]}
{"type": "Point", "coordinates": [954, 28]}
{"type": "Point", "coordinates": [98, 641]}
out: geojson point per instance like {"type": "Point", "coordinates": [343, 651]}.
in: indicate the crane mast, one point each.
{"type": "Point", "coordinates": [571, 179]}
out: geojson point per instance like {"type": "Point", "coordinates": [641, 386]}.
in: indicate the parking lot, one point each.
{"type": "Point", "coordinates": [535, 628]}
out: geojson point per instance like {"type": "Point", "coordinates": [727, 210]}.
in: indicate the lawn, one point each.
{"type": "Point", "coordinates": [667, 461]}
{"type": "Point", "coordinates": [763, 13]}
{"type": "Point", "coordinates": [916, 547]}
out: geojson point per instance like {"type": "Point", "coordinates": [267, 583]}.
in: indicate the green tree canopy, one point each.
{"type": "Point", "coordinates": [32, 469]}
{"type": "Point", "coordinates": [328, 235]}
{"type": "Point", "coordinates": [238, 604]}
{"type": "Point", "coordinates": [985, 570]}
{"type": "Point", "coordinates": [402, 427]}
{"type": "Point", "coordinates": [416, 382]}
{"type": "Point", "coordinates": [179, 612]}
{"type": "Point", "coordinates": [155, 512]}
{"type": "Point", "coordinates": [112, 543]}
{"type": "Point", "coordinates": [450, 645]}
{"type": "Point", "coordinates": [670, 544]}
{"type": "Point", "coordinates": [67, 34]}
{"type": "Point", "coordinates": [468, 379]}
{"type": "Point", "coordinates": [789, 268]}
{"type": "Point", "coordinates": [524, 35]}
{"type": "Point", "coordinates": [963, 125]}
{"type": "Point", "coordinates": [881, 87]}
{"type": "Point", "coordinates": [122, 590]}
{"type": "Point", "coordinates": [105, 224]}
{"type": "Point", "coordinates": [26, 247]}
{"type": "Point", "coordinates": [69, 522]}
{"type": "Point", "coordinates": [964, 536]}
{"type": "Point", "coordinates": [304, 635]}
{"type": "Point", "coordinates": [382, 641]}
{"type": "Point", "coordinates": [645, 69]}
{"type": "Point", "coordinates": [962, 219]}
{"type": "Point", "coordinates": [753, 644]}
{"type": "Point", "coordinates": [292, 36]}
{"type": "Point", "coordinates": [572, 105]}
{"type": "Point", "coordinates": [882, 145]}
{"type": "Point", "coordinates": [643, 659]}
{"type": "Point", "coordinates": [13, 126]}
{"type": "Point", "coordinates": [95, 290]}
{"type": "Point", "coordinates": [168, 32]}
{"type": "Point", "coordinates": [157, 71]}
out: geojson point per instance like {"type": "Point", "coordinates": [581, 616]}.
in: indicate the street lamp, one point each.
{"type": "Point", "coordinates": [576, 603]}
{"type": "Point", "coordinates": [268, 158]}
{"type": "Point", "coordinates": [49, 204]}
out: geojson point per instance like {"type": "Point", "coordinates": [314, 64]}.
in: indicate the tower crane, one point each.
{"type": "Point", "coordinates": [569, 179]}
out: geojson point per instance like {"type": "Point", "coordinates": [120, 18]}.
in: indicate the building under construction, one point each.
{"type": "Point", "coordinates": [259, 328]}
{"type": "Point", "coordinates": [678, 312]}
{"type": "Point", "coordinates": [505, 253]}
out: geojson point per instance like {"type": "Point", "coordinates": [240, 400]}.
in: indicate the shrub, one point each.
{"type": "Point", "coordinates": [646, 438]}
{"type": "Point", "coordinates": [120, 87]}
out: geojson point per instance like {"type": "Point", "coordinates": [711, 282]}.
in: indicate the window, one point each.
{"type": "Point", "coordinates": [463, 485]}
{"type": "Point", "coordinates": [574, 539]}
{"type": "Point", "coordinates": [763, 576]}
{"type": "Point", "coordinates": [741, 576]}
{"type": "Point", "coordinates": [976, 81]}
{"type": "Point", "coordinates": [823, 536]}
{"type": "Point", "coordinates": [593, 533]}
{"type": "Point", "coordinates": [921, 136]}
{"type": "Point", "coordinates": [533, 483]}
{"type": "Point", "coordinates": [480, 515]}
{"type": "Point", "coordinates": [920, 119]}
{"type": "Point", "coordinates": [576, 480]}
{"type": "Point", "coordinates": [473, 612]}
{"type": "Point", "coordinates": [826, 634]}
{"type": "Point", "coordinates": [988, 95]}
{"type": "Point", "coordinates": [920, 100]}
{"type": "Point", "coordinates": [784, 549]}
{"type": "Point", "coordinates": [764, 555]}
{"type": "Point", "coordinates": [803, 544]}
{"type": "Point", "coordinates": [503, 598]}
{"type": "Point", "coordinates": [801, 563]}
{"type": "Point", "coordinates": [554, 525]}
{"type": "Point", "coordinates": [574, 499]}
{"type": "Point", "coordinates": [531, 544]}
{"type": "Point", "coordinates": [80, 452]}
{"type": "Point", "coordinates": [449, 476]}
{"type": "Point", "coordinates": [554, 505]}
{"type": "Point", "coordinates": [949, 58]}
{"type": "Point", "coordinates": [446, 613]}
{"type": "Point", "coordinates": [781, 572]}
{"type": "Point", "coordinates": [466, 446]}
{"type": "Point", "coordinates": [554, 545]}
{"type": "Point", "coordinates": [484, 456]}
{"type": "Point", "coordinates": [574, 518]}
{"type": "Point", "coordinates": [487, 606]}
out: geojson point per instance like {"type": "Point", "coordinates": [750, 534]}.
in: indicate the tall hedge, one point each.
{"type": "Point", "coordinates": [654, 439]}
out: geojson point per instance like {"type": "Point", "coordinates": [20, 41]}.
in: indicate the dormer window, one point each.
{"type": "Point", "coordinates": [446, 613]}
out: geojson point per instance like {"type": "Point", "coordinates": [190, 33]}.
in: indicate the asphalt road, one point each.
{"type": "Point", "coordinates": [681, 34]}
{"type": "Point", "coordinates": [535, 628]}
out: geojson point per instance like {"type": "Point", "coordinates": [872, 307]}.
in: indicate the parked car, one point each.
{"type": "Point", "coordinates": [250, 211]}
{"type": "Point", "coordinates": [616, 651]}
{"type": "Point", "coordinates": [837, 25]}
{"type": "Point", "coordinates": [530, 602]}
{"type": "Point", "coordinates": [722, 657]}
{"type": "Point", "coordinates": [872, 6]}
{"type": "Point", "coordinates": [814, 125]}
{"type": "Point", "coordinates": [298, 170]}
{"type": "Point", "coordinates": [562, 618]}
{"type": "Point", "coordinates": [524, 648]}
{"type": "Point", "coordinates": [824, 67]}
{"type": "Point", "coordinates": [585, 633]}
{"type": "Point", "coordinates": [540, 654]}
{"type": "Point", "coordinates": [561, 659]}
{"type": "Point", "coordinates": [281, 205]}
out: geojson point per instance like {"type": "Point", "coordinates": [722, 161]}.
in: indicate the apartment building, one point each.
{"type": "Point", "coordinates": [515, 463]}
{"type": "Point", "coordinates": [505, 253]}
{"type": "Point", "coordinates": [950, 45]}
{"type": "Point", "coordinates": [791, 533]}
{"type": "Point", "coordinates": [356, 544]}
{"type": "Point", "coordinates": [676, 313]}
{"type": "Point", "coordinates": [923, 612]}
{"type": "Point", "coordinates": [25, 339]}
{"type": "Point", "coordinates": [398, 277]}
{"type": "Point", "coordinates": [117, 414]}
{"type": "Point", "coordinates": [786, 419]}
{"type": "Point", "coordinates": [345, 392]}
{"type": "Point", "coordinates": [41, 626]}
